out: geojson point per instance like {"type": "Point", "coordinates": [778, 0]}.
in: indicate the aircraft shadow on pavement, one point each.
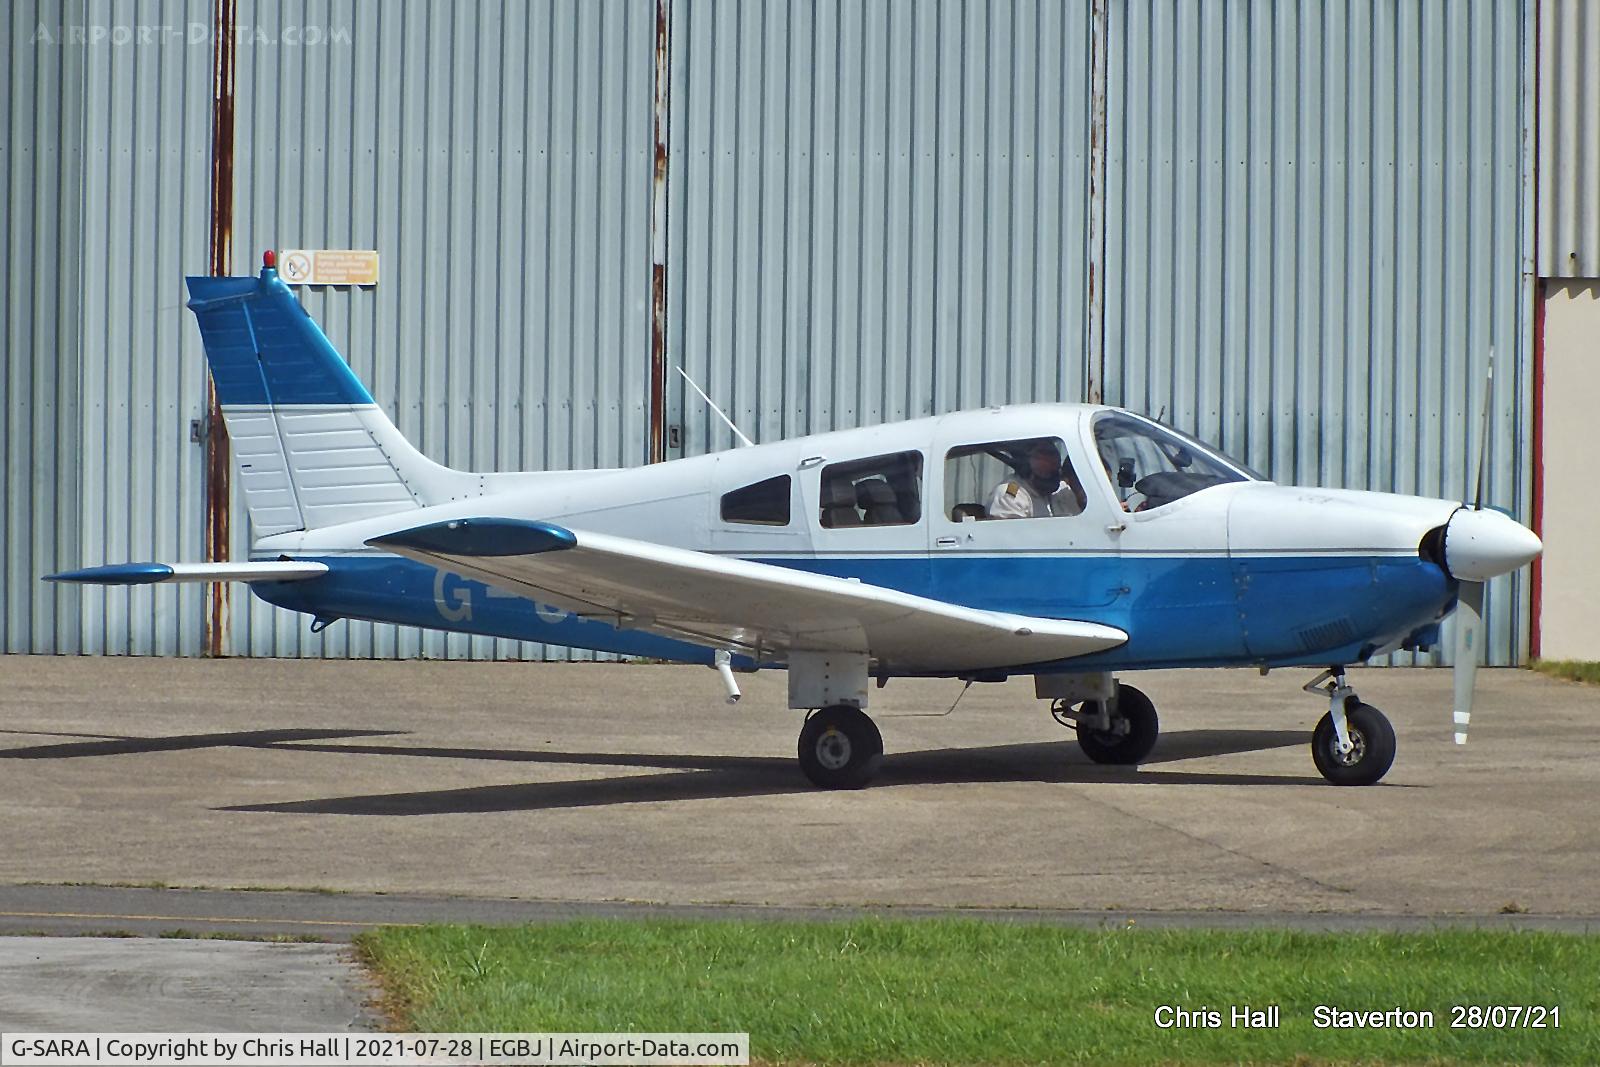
{"type": "Point", "coordinates": [689, 776]}
{"type": "Point", "coordinates": [111, 745]}
{"type": "Point", "coordinates": [693, 777]}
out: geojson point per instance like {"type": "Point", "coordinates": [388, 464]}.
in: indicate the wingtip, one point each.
{"type": "Point", "coordinates": [480, 537]}
{"type": "Point", "coordinates": [115, 574]}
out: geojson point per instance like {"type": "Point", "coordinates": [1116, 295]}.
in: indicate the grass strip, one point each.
{"type": "Point", "coordinates": [876, 991]}
{"type": "Point", "coordinates": [1570, 670]}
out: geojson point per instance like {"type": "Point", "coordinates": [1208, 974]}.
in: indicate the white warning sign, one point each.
{"type": "Point", "coordinates": [328, 266]}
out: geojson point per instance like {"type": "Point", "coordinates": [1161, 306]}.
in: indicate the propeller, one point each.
{"type": "Point", "coordinates": [1469, 621]}
{"type": "Point", "coordinates": [1469, 597]}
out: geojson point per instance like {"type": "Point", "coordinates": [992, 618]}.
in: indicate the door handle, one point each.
{"type": "Point", "coordinates": [946, 542]}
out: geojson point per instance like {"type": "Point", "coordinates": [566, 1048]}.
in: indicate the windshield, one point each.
{"type": "Point", "coordinates": [1151, 465]}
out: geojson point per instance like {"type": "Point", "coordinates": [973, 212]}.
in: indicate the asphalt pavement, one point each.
{"type": "Point", "coordinates": [603, 784]}
{"type": "Point", "coordinates": [88, 984]}
{"type": "Point", "coordinates": [124, 911]}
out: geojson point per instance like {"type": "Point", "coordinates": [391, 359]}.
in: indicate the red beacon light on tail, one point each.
{"type": "Point", "coordinates": [269, 260]}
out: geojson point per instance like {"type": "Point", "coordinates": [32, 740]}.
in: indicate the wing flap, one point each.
{"type": "Point", "coordinates": [756, 608]}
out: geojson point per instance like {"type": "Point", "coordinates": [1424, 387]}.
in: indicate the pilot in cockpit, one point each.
{"type": "Point", "coordinates": [1047, 489]}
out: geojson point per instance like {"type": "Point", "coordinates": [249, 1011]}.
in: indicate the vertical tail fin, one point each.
{"type": "Point", "coordinates": [312, 447]}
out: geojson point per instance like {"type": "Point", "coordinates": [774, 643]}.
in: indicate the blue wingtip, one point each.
{"type": "Point", "coordinates": [481, 537]}
{"type": "Point", "coordinates": [116, 574]}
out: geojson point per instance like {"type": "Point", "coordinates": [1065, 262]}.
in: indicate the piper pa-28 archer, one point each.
{"type": "Point", "coordinates": [1062, 541]}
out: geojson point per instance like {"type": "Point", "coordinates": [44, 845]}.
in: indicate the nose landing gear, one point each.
{"type": "Point", "coordinates": [1353, 743]}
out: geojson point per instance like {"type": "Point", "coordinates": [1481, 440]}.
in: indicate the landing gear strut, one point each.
{"type": "Point", "coordinates": [840, 748]}
{"type": "Point", "coordinates": [1353, 744]}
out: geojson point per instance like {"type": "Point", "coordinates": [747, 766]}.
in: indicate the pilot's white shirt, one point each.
{"type": "Point", "coordinates": [1019, 500]}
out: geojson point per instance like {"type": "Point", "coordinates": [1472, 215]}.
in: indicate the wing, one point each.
{"type": "Point", "coordinates": [756, 608]}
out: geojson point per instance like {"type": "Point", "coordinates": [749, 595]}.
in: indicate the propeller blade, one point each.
{"type": "Point", "coordinates": [1469, 624]}
{"type": "Point", "coordinates": [1483, 433]}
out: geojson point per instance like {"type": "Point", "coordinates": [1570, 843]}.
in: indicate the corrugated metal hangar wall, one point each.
{"type": "Point", "coordinates": [1293, 229]}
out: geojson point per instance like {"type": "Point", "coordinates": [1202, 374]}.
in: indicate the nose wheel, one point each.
{"type": "Point", "coordinates": [840, 748]}
{"type": "Point", "coordinates": [1353, 743]}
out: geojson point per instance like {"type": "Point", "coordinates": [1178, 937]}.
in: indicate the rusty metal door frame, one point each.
{"type": "Point", "coordinates": [220, 264]}
{"type": "Point", "coordinates": [1094, 371]}
{"type": "Point", "coordinates": [662, 113]}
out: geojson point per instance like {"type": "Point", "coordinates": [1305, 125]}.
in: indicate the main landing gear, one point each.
{"type": "Point", "coordinates": [1119, 732]}
{"type": "Point", "coordinates": [1353, 744]}
{"type": "Point", "coordinates": [1116, 723]}
{"type": "Point", "coordinates": [840, 748]}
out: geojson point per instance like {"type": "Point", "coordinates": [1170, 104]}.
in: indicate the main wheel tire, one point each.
{"type": "Point", "coordinates": [840, 748]}
{"type": "Point", "coordinates": [1109, 746]}
{"type": "Point", "coordinates": [1372, 751]}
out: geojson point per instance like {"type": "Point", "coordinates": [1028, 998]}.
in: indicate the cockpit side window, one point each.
{"type": "Point", "coordinates": [1030, 478]}
{"type": "Point", "coordinates": [1151, 465]}
{"type": "Point", "coordinates": [764, 503]}
{"type": "Point", "coordinates": [880, 491]}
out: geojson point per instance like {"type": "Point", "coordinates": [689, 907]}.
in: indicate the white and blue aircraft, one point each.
{"type": "Point", "coordinates": [848, 557]}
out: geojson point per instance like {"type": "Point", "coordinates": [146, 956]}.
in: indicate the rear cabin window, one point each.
{"type": "Point", "coordinates": [764, 503]}
{"type": "Point", "coordinates": [881, 491]}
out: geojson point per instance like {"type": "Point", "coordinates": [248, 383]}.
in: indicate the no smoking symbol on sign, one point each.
{"type": "Point", "coordinates": [296, 267]}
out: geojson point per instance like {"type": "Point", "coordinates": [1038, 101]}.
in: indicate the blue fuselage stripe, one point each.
{"type": "Point", "coordinates": [1178, 611]}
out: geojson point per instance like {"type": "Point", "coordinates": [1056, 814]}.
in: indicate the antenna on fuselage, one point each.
{"type": "Point", "coordinates": [744, 442]}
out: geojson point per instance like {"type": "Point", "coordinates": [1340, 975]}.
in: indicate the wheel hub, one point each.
{"type": "Point", "coordinates": [833, 749]}
{"type": "Point", "coordinates": [1116, 735]}
{"type": "Point", "coordinates": [1358, 748]}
